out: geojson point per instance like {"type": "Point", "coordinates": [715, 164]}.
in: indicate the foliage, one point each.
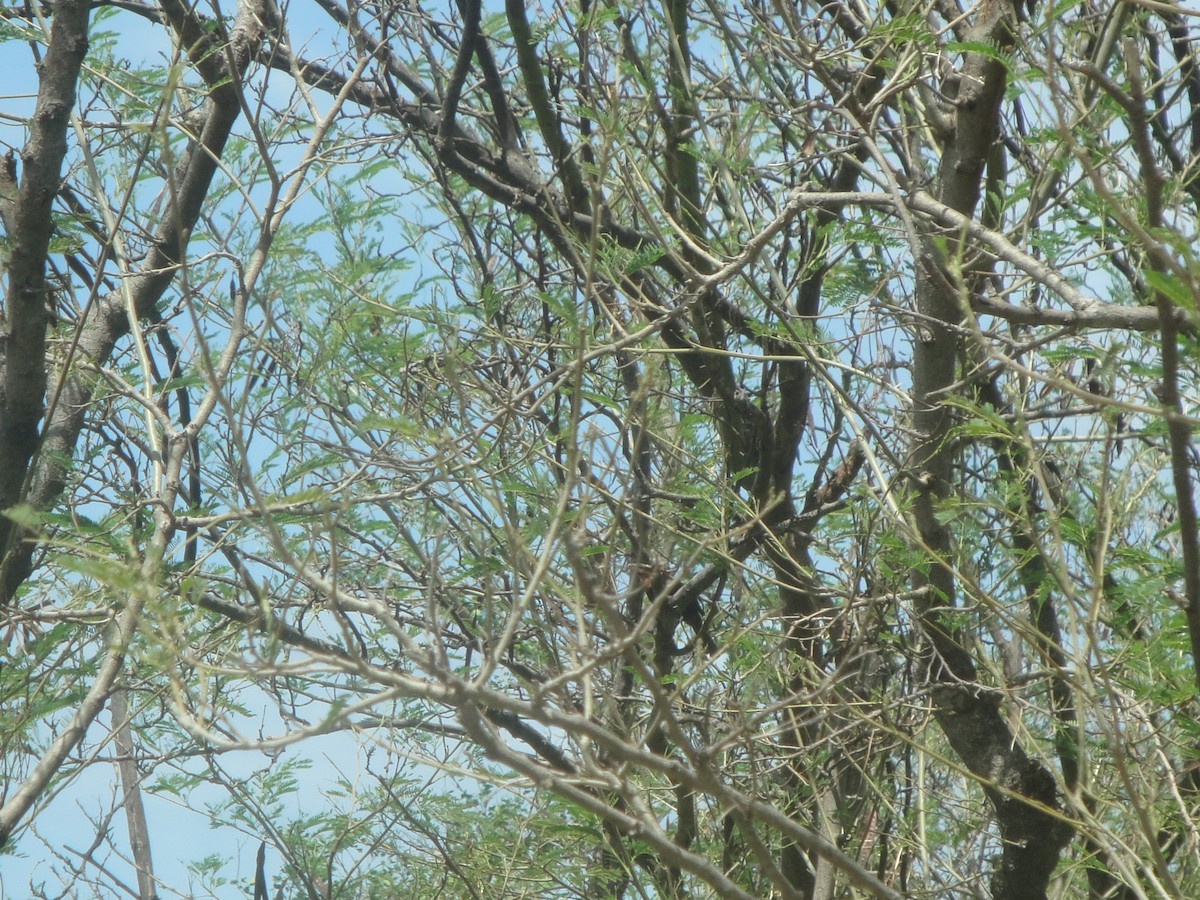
{"type": "Point", "coordinates": [602, 450]}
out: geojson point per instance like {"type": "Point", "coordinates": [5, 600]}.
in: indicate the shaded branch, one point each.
{"type": "Point", "coordinates": [23, 347]}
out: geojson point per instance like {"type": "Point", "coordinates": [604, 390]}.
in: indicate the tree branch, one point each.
{"type": "Point", "coordinates": [23, 342]}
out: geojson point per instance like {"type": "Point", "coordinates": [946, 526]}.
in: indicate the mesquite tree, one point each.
{"type": "Point", "coordinates": [668, 450]}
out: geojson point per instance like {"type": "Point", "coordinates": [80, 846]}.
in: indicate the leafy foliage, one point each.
{"type": "Point", "coordinates": [603, 450]}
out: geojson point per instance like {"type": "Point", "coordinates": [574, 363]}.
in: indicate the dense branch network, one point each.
{"type": "Point", "coordinates": [755, 442]}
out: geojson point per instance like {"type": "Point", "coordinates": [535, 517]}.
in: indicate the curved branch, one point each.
{"type": "Point", "coordinates": [23, 342]}
{"type": "Point", "coordinates": [107, 321]}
